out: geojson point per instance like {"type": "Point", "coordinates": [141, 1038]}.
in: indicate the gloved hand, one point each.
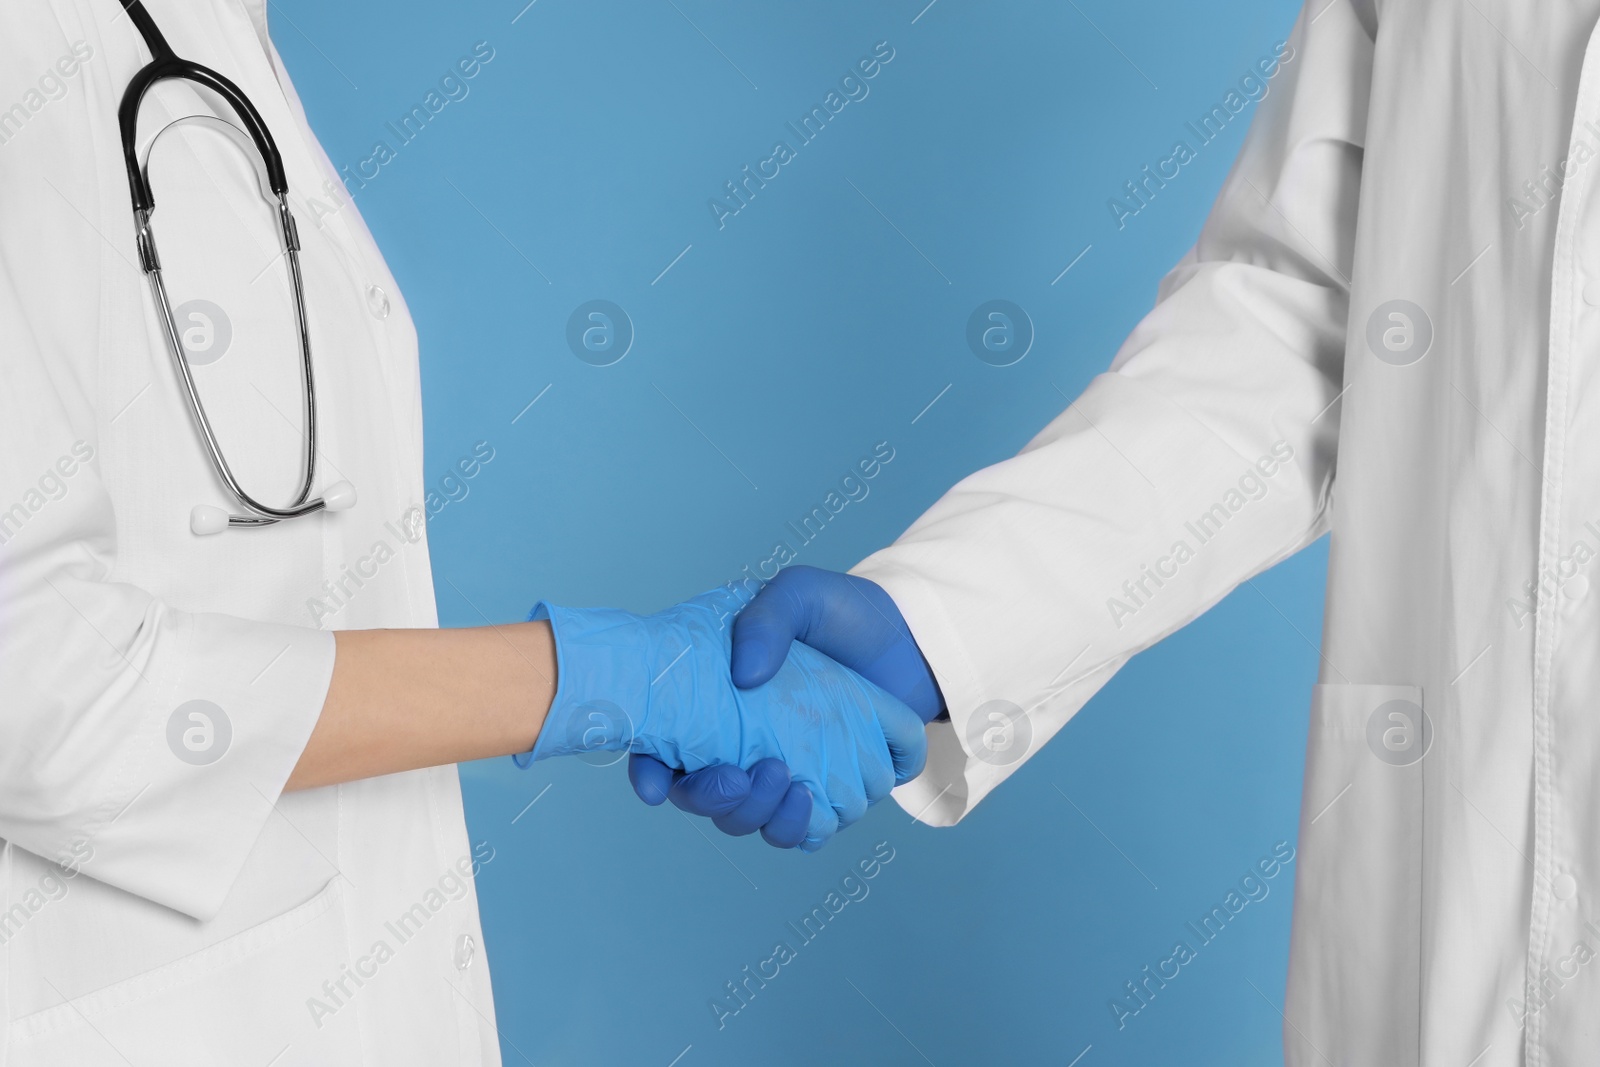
{"type": "Point", "coordinates": [738, 802]}
{"type": "Point", "coordinates": [661, 686]}
{"type": "Point", "coordinates": [850, 619]}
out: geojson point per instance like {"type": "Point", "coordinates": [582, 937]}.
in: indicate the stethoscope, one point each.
{"type": "Point", "coordinates": [166, 65]}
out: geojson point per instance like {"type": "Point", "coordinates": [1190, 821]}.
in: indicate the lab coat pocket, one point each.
{"type": "Point", "coordinates": [246, 999]}
{"type": "Point", "coordinates": [1353, 962]}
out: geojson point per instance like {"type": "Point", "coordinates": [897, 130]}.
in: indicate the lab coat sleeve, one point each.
{"type": "Point", "coordinates": [93, 671]}
{"type": "Point", "coordinates": [92, 668]}
{"type": "Point", "coordinates": [1203, 456]}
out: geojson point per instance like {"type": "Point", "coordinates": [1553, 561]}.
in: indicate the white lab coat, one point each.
{"type": "Point", "coordinates": [208, 920]}
{"type": "Point", "coordinates": [1443, 905]}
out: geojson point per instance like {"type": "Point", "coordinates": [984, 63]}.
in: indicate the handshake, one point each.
{"type": "Point", "coordinates": [790, 715]}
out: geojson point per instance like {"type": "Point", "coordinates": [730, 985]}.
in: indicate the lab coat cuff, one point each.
{"type": "Point", "coordinates": [954, 780]}
{"type": "Point", "coordinates": [222, 735]}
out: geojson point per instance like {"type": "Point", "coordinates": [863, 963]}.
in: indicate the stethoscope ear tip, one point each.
{"type": "Point", "coordinates": [340, 496]}
{"type": "Point", "coordinates": [207, 519]}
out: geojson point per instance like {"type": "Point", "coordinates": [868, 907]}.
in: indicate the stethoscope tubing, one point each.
{"type": "Point", "coordinates": [264, 513]}
{"type": "Point", "coordinates": [166, 65]}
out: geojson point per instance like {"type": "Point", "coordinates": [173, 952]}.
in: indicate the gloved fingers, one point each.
{"type": "Point", "coordinates": [849, 800]}
{"type": "Point", "coordinates": [877, 773]}
{"type": "Point", "coordinates": [788, 825]}
{"type": "Point", "coordinates": [651, 779]}
{"type": "Point", "coordinates": [907, 737]}
{"type": "Point", "coordinates": [824, 823]}
{"type": "Point", "coordinates": [769, 783]}
{"type": "Point", "coordinates": [764, 630]}
{"type": "Point", "coordinates": [715, 790]}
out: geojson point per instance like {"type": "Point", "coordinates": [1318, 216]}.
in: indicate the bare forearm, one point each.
{"type": "Point", "coordinates": [403, 699]}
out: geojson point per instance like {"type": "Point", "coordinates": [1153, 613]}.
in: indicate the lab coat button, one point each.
{"type": "Point", "coordinates": [466, 950]}
{"type": "Point", "coordinates": [1575, 587]}
{"type": "Point", "coordinates": [1591, 292]}
{"type": "Point", "coordinates": [1564, 887]}
{"type": "Point", "coordinates": [378, 301]}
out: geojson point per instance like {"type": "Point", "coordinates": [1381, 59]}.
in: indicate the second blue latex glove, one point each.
{"type": "Point", "coordinates": [736, 801]}
{"type": "Point", "coordinates": [852, 620]}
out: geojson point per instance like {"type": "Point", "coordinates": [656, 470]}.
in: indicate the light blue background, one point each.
{"type": "Point", "coordinates": [813, 325]}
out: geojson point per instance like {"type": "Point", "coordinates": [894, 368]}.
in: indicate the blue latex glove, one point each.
{"type": "Point", "coordinates": [850, 619]}
{"type": "Point", "coordinates": [661, 686]}
{"type": "Point", "coordinates": [738, 802]}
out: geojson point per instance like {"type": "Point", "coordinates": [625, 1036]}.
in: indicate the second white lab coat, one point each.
{"type": "Point", "coordinates": [1441, 154]}
{"type": "Point", "coordinates": [157, 909]}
